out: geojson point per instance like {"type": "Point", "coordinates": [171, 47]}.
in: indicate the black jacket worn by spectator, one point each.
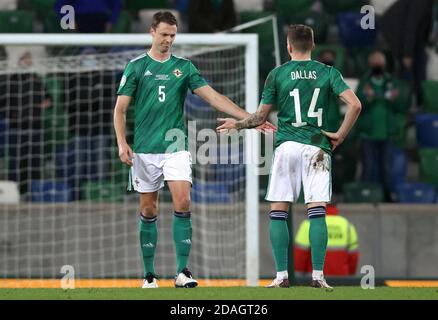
{"type": "Point", "coordinates": [406, 26]}
{"type": "Point", "coordinates": [203, 18]}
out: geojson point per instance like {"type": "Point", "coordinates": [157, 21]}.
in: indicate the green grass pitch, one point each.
{"type": "Point", "coordinates": [229, 293]}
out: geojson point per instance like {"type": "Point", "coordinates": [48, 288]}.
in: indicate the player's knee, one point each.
{"type": "Point", "coordinates": [149, 210]}
{"type": "Point", "coordinates": [182, 203]}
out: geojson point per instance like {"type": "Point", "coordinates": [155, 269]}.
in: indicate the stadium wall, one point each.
{"type": "Point", "coordinates": [398, 240]}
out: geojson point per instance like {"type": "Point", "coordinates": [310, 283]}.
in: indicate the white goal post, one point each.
{"type": "Point", "coordinates": [250, 43]}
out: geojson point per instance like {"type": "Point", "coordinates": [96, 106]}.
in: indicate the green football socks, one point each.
{"type": "Point", "coordinates": [182, 237]}
{"type": "Point", "coordinates": [318, 236]}
{"type": "Point", "coordinates": [279, 235]}
{"type": "Point", "coordinates": [148, 242]}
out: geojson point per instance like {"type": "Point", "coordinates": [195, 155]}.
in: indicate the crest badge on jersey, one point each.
{"type": "Point", "coordinates": [177, 73]}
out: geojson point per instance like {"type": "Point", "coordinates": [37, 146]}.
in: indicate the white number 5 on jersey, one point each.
{"type": "Point", "coordinates": [161, 93]}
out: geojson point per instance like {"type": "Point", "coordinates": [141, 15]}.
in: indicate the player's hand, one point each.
{"type": "Point", "coordinates": [227, 125]}
{"type": "Point", "coordinates": [266, 127]}
{"type": "Point", "coordinates": [125, 154]}
{"type": "Point", "coordinates": [335, 138]}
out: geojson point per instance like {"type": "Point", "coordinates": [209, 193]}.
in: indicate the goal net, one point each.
{"type": "Point", "coordinates": [63, 187]}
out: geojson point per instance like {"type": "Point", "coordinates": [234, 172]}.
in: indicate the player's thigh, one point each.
{"type": "Point", "coordinates": [149, 204]}
{"type": "Point", "coordinates": [147, 172]}
{"type": "Point", "coordinates": [316, 173]}
{"type": "Point", "coordinates": [285, 178]}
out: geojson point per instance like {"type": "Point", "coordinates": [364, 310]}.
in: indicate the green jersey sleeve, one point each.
{"type": "Point", "coordinates": [195, 79]}
{"type": "Point", "coordinates": [337, 82]}
{"type": "Point", "coordinates": [128, 83]}
{"type": "Point", "coordinates": [269, 91]}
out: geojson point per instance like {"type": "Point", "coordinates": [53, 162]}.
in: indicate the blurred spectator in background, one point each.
{"type": "Point", "coordinates": [92, 16]}
{"type": "Point", "coordinates": [22, 103]}
{"type": "Point", "coordinates": [342, 248]}
{"type": "Point", "coordinates": [328, 57]}
{"type": "Point", "coordinates": [210, 16]}
{"type": "Point", "coordinates": [406, 26]}
{"type": "Point", "coordinates": [377, 92]}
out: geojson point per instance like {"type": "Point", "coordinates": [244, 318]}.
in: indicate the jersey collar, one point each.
{"type": "Point", "coordinates": [170, 56]}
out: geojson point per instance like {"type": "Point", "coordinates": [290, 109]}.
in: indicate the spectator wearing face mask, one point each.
{"type": "Point", "coordinates": [328, 57]}
{"type": "Point", "coordinates": [378, 92]}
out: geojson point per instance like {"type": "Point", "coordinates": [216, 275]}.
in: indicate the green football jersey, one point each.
{"type": "Point", "coordinates": [159, 89]}
{"type": "Point", "coordinates": [301, 92]}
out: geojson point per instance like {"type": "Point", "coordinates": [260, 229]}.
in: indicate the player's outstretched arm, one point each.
{"type": "Point", "coordinates": [125, 151]}
{"type": "Point", "coordinates": [254, 120]}
{"type": "Point", "coordinates": [224, 104]}
{"type": "Point", "coordinates": [353, 110]}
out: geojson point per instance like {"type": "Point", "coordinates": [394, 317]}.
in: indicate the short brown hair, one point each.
{"type": "Point", "coordinates": [301, 37]}
{"type": "Point", "coordinates": [163, 16]}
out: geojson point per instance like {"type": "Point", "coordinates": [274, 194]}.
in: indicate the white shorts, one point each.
{"type": "Point", "coordinates": [295, 163]}
{"type": "Point", "coordinates": [149, 171]}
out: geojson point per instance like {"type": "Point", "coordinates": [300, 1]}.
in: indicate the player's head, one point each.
{"type": "Point", "coordinates": [163, 30]}
{"type": "Point", "coordinates": [300, 39]}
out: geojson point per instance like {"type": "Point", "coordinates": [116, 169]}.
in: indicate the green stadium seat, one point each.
{"type": "Point", "coordinates": [363, 192]}
{"type": "Point", "coordinates": [18, 21]}
{"type": "Point", "coordinates": [287, 7]}
{"type": "Point", "coordinates": [43, 7]}
{"type": "Point", "coordinates": [429, 166]}
{"type": "Point", "coordinates": [344, 164]}
{"type": "Point", "coordinates": [123, 25]}
{"type": "Point", "coordinates": [317, 20]}
{"type": "Point", "coordinates": [338, 50]}
{"type": "Point", "coordinates": [51, 23]}
{"type": "Point", "coordinates": [430, 96]}
{"type": "Point", "coordinates": [137, 5]}
{"type": "Point", "coordinates": [336, 6]}
{"type": "Point", "coordinates": [103, 191]}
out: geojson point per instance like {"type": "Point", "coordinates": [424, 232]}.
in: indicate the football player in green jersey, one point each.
{"type": "Point", "coordinates": [301, 90]}
{"type": "Point", "coordinates": [157, 83]}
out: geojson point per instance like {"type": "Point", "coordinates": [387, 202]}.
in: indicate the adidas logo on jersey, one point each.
{"type": "Point", "coordinates": [186, 241]}
{"type": "Point", "coordinates": [147, 73]}
{"type": "Point", "coordinates": [148, 245]}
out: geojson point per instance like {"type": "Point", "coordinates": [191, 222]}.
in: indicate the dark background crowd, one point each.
{"type": "Point", "coordinates": [391, 155]}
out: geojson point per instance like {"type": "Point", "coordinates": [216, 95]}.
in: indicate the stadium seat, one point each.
{"type": "Point", "coordinates": [351, 33]}
{"type": "Point", "coordinates": [428, 166]}
{"type": "Point", "coordinates": [363, 192]}
{"type": "Point", "coordinates": [336, 6]}
{"type": "Point", "coordinates": [43, 7]}
{"type": "Point", "coordinates": [51, 24]}
{"type": "Point", "coordinates": [287, 7]}
{"type": "Point", "coordinates": [317, 20]}
{"type": "Point", "coordinates": [103, 191]}
{"type": "Point", "coordinates": [18, 21]}
{"type": "Point", "coordinates": [427, 130]}
{"type": "Point", "coordinates": [9, 192]}
{"type": "Point", "coordinates": [123, 25]}
{"type": "Point", "coordinates": [339, 52]}
{"type": "Point", "coordinates": [430, 96]}
{"type": "Point", "coordinates": [210, 192]}
{"type": "Point", "coordinates": [137, 5]}
{"type": "Point", "coordinates": [415, 193]}
{"type": "Point", "coordinates": [50, 191]}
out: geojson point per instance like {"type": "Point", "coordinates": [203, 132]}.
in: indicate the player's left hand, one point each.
{"type": "Point", "coordinates": [227, 125]}
{"type": "Point", "coordinates": [335, 138]}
